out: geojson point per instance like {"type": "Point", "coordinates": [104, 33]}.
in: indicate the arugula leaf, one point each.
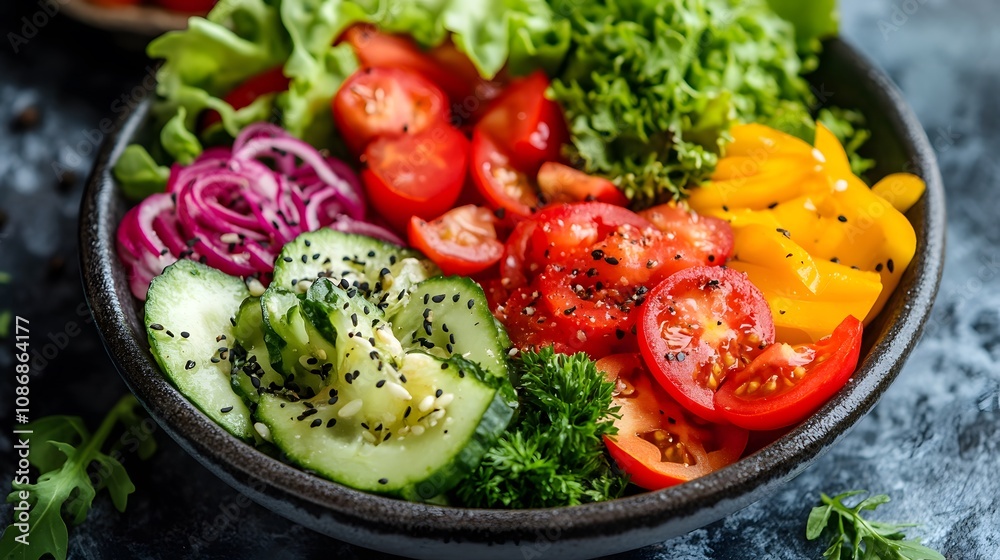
{"type": "Point", "coordinates": [852, 536]}
{"type": "Point", "coordinates": [72, 470]}
{"type": "Point", "coordinates": [554, 454]}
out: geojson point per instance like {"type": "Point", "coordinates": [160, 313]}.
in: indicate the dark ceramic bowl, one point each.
{"type": "Point", "coordinates": [429, 531]}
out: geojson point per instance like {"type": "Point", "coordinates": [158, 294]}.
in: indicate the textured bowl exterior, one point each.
{"type": "Point", "coordinates": [426, 531]}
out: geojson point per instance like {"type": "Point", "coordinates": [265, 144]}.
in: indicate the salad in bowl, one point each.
{"type": "Point", "coordinates": [506, 254]}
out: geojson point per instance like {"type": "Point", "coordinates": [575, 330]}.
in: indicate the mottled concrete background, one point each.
{"type": "Point", "coordinates": [932, 443]}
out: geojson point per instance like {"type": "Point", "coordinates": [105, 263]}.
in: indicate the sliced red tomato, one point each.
{"type": "Point", "coordinates": [187, 6]}
{"type": "Point", "coordinates": [270, 81]}
{"type": "Point", "coordinates": [659, 444]}
{"type": "Point", "coordinates": [386, 102]}
{"type": "Point", "coordinates": [785, 384]}
{"type": "Point", "coordinates": [445, 65]}
{"type": "Point", "coordinates": [699, 326]}
{"type": "Point", "coordinates": [461, 241]}
{"type": "Point", "coordinates": [566, 231]}
{"type": "Point", "coordinates": [528, 323]}
{"type": "Point", "coordinates": [701, 240]}
{"type": "Point", "coordinates": [589, 317]}
{"type": "Point", "coordinates": [526, 124]}
{"type": "Point", "coordinates": [561, 183]}
{"type": "Point", "coordinates": [416, 174]}
{"type": "Point", "coordinates": [513, 269]}
{"type": "Point", "coordinates": [499, 181]}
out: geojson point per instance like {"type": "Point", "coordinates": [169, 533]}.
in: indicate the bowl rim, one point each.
{"type": "Point", "coordinates": [744, 481]}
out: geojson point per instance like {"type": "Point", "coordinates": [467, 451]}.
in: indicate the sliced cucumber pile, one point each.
{"type": "Point", "coordinates": [355, 362]}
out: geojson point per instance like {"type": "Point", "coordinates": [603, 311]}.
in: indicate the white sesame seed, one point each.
{"type": "Point", "coordinates": [417, 430]}
{"type": "Point", "coordinates": [320, 353]}
{"type": "Point", "coordinates": [435, 416]}
{"type": "Point", "coordinates": [255, 287]}
{"type": "Point", "coordinates": [367, 436]}
{"type": "Point", "coordinates": [350, 409]}
{"type": "Point", "coordinates": [426, 404]}
{"type": "Point", "coordinates": [445, 399]}
{"type": "Point", "coordinates": [229, 237]}
{"type": "Point", "coordinates": [303, 286]}
{"type": "Point", "coordinates": [398, 390]}
{"type": "Point", "coordinates": [263, 430]}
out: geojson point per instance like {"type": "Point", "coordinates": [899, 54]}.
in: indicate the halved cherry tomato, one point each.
{"type": "Point", "coordinates": [513, 269]}
{"type": "Point", "coordinates": [525, 124]}
{"type": "Point", "coordinates": [188, 6]}
{"type": "Point", "coordinates": [415, 174]}
{"type": "Point", "coordinates": [566, 231]}
{"type": "Point", "coordinates": [589, 317]}
{"type": "Point", "coordinates": [785, 384]}
{"type": "Point", "coordinates": [386, 102]}
{"type": "Point", "coordinates": [461, 241]}
{"type": "Point", "coordinates": [528, 323]}
{"type": "Point", "coordinates": [659, 444]}
{"type": "Point", "coordinates": [561, 183]}
{"type": "Point", "coordinates": [702, 240]}
{"type": "Point", "coordinates": [699, 326]}
{"type": "Point", "coordinates": [270, 81]}
{"type": "Point", "coordinates": [444, 65]}
{"type": "Point", "coordinates": [503, 185]}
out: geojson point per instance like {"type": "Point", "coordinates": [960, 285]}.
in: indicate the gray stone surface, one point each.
{"type": "Point", "coordinates": [932, 443]}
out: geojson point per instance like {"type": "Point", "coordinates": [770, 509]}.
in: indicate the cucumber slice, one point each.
{"type": "Point", "coordinates": [447, 316]}
{"type": "Point", "coordinates": [303, 357]}
{"type": "Point", "coordinates": [251, 371]}
{"type": "Point", "coordinates": [190, 311]}
{"type": "Point", "coordinates": [380, 271]}
{"type": "Point", "coordinates": [414, 442]}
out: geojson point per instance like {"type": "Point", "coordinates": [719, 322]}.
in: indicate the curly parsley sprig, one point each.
{"type": "Point", "coordinates": [554, 454]}
{"type": "Point", "coordinates": [854, 537]}
{"type": "Point", "coordinates": [73, 469]}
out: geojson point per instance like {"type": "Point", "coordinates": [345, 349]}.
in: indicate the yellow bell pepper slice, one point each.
{"type": "Point", "coordinates": [772, 249]}
{"type": "Point", "coordinates": [836, 163]}
{"type": "Point", "coordinates": [802, 316]}
{"type": "Point", "coordinates": [902, 190]}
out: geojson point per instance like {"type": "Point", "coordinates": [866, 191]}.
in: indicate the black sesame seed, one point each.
{"type": "Point", "coordinates": [255, 381]}
{"type": "Point", "coordinates": [190, 364]}
{"type": "Point", "coordinates": [365, 425]}
{"type": "Point", "coordinates": [156, 327]}
{"type": "Point", "coordinates": [226, 409]}
{"type": "Point", "coordinates": [444, 365]}
{"type": "Point", "coordinates": [784, 232]}
{"type": "Point", "coordinates": [711, 258]}
{"type": "Point", "coordinates": [344, 284]}
{"type": "Point", "coordinates": [438, 298]}
{"type": "Point", "coordinates": [316, 423]}
{"type": "Point", "coordinates": [287, 259]}
{"type": "Point", "coordinates": [354, 319]}
{"type": "Point", "coordinates": [456, 297]}
{"type": "Point", "coordinates": [305, 258]}
{"type": "Point", "coordinates": [427, 299]}
{"type": "Point", "coordinates": [331, 422]}
{"type": "Point", "coordinates": [383, 481]}
{"type": "Point", "coordinates": [387, 436]}
{"type": "Point", "coordinates": [890, 265]}
{"type": "Point", "coordinates": [438, 393]}
{"type": "Point", "coordinates": [381, 382]}
{"type": "Point", "coordinates": [772, 205]}
{"type": "Point", "coordinates": [842, 218]}
{"type": "Point", "coordinates": [307, 242]}
{"type": "Point", "coordinates": [348, 377]}
{"type": "Point", "coordinates": [569, 310]}
{"type": "Point", "coordinates": [170, 334]}
{"type": "Point", "coordinates": [333, 400]}
{"type": "Point", "coordinates": [835, 260]}
{"type": "Point", "coordinates": [408, 411]}
{"type": "Point", "coordinates": [619, 334]}
{"type": "Point", "coordinates": [878, 267]}
{"type": "Point", "coordinates": [597, 254]}
{"type": "Point", "coordinates": [472, 303]}
{"type": "Point", "coordinates": [611, 260]}
{"type": "Point", "coordinates": [371, 254]}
